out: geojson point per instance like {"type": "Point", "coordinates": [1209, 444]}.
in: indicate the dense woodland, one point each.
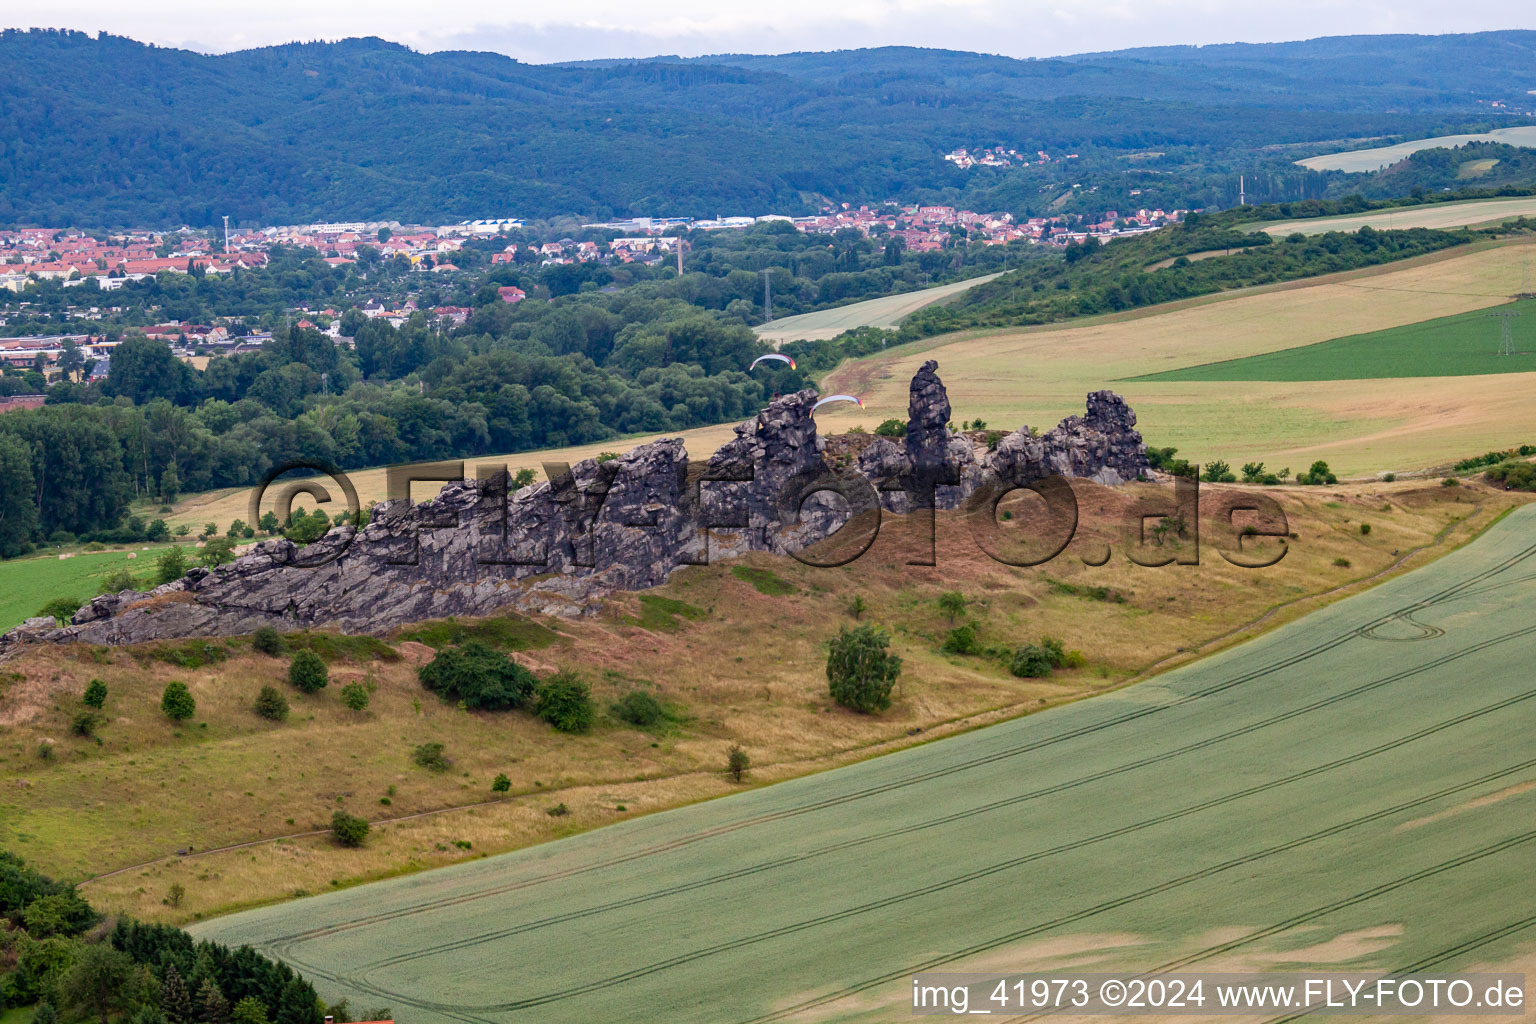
{"type": "Point", "coordinates": [56, 952]}
{"type": "Point", "coordinates": [366, 129]}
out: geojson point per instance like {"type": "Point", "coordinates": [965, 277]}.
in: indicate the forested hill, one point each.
{"type": "Point", "coordinates": [104, 131]}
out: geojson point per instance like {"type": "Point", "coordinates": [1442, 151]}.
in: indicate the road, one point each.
{"type": "Point", "coordinates": [1356, 787]}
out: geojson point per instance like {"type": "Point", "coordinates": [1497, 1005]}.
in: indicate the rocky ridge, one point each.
{"type": "Point", "coordinates": [621, 524]}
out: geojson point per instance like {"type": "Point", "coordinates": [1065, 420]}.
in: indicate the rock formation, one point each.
{"type": "Point", "coordinates": [620, 524]}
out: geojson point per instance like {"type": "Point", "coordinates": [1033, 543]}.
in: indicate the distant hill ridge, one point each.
{"type": "Point", "coordinates": [365, 128]}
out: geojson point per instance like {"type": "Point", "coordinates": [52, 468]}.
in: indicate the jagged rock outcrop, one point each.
{"type": "Point", "coordinates": [620, 524]}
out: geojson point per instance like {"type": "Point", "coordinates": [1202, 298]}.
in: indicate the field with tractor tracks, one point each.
{"type": "Point", "coordinates": [1347, 791]}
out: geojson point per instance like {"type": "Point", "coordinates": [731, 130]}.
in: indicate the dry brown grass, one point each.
{"type": "Point", "coordinates": [749, 670]}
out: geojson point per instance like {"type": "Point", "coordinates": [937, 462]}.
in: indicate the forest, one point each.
{"type": "Point", "coordinates": [364, 129]}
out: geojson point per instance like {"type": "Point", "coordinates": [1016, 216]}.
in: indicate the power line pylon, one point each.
{"type": "Point", "coordinates": [1506, 336]}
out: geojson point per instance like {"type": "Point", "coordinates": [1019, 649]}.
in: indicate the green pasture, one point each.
{"type": "Point", "coordinates": [1466, 344]}
{"type": "Point", "coordinates": [1352, 790]}
{"type": "Point", "coordinates": [26, 584]}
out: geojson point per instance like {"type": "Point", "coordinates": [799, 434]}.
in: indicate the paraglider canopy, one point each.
{"type": "Point", "coordinates": [838, 398]}
{"type": "Point", "coordinates": [772, 355]}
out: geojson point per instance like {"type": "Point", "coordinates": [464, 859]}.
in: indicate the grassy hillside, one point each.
{"type": "Point", "coordinates": [738, 657]}
{"type": "Point", "coordinates": [1444, 347]}
{"type": "Point", "coordinates": [1340, 794]}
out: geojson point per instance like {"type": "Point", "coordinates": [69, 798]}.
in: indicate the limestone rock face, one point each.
{"type": "Point", "coordinates": [620, 524]}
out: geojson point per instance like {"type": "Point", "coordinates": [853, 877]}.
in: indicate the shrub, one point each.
{"type": "Point", "coordinates": [266, 640]}
{"type": "Point", "coordinates": [565, 702]}
{"type": "Point", "coordinates": [171, 565]}
{"type": "Point", "coordinates": [271, 704]}
{"type": "Point", "coordinates": [558, 811]}
{"type": "Point", "coordinates": [861, 672]}
{"type": "Point", "coordinates": [118, 581]}
{"type": "Point", "coordinates": [961, 640]}
{"type": "Point", "coordinates": [95, 694]}
{"type": "Point", "coordinates": [501, 784]}
{"type": "Point", "coordinates": [857, 607]}
{"type": "Point", "coordinates": [1218, 472]}
{"type": "Point", "coordinates": [307, 673]}
{"type": "Point", "coordinates": [348, 829]}
{"type": "Point", "coordinates": [479, 676]}
{"type": "Point", "coordinates": [177, 702]}
{"type": "Point", "coordinates": [737, 763]}
{"type": "Point", "coordinates": [1450, 481]}
{"type": "Point", "coordinates": [431, 757]}
{"type": "Point", "coordinates": [1074, 659]}
{"type": "Point", "coordinates": [1365, 529]}
{"type": "Point", "coordinates": [60, 609]}
{"type": "Point", "coordinates": [891, 428]}
{"type": "Point", "coordinates": [1318, 475]}
{"type": "Point", "coordinates": [354, 696]}
{"type": "Point", "coordinates": [85, 722]}
{"type": "Point", "coordinates": [639, 708]}
{"type": "Point", "coordinates": [1341, 562]}
{"type": "Point", "coordinates": [218, 551]}
{"type": "Point", "coordinates": [1054, 650]}
{"type": "Point", "coordinates": [1031, 661]}
{"type": "Point", "coordinates": [1390, 478]}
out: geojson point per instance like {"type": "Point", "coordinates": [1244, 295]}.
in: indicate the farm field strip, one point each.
{"type": "Point", "coordinates": [1039, 375]}
{"type": "Point", "coordinates": [1377, 157]}
{"type": "Point", "coordinates": [1432, 215]}
{"type": "Point", "coordinates": [886, 311]}
{"type": "Point", "coordinates": [1462, 345]}
{"type": "Point", "coordinates": [1370, 792]}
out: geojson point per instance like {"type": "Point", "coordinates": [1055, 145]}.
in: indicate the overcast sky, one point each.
{"type": "Point", "coordinates": [577, 29]}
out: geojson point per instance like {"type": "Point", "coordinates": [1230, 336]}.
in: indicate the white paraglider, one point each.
{"type": "Point", "coordinates": [771, 355]}
{"type": "Point", "coordinates": [838, 398]}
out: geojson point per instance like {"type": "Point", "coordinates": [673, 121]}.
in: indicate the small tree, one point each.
{"type": "Point", "coordinates": [348, 829]}
{"type": "Point", "coordinates": [210, 530]}
{"type": "Point", "coordinates": [565, 702]}
{"type": "Point", "coordinates": [212, 1004]}
{"type": "Point", "coordinates": [270, 524]}
{"type": "Point", "coordinates": [271, 704]}
{"type": "Point", "coordinates": [501, 784]}
{"type": "Point", "coordinates": [737, 763]}
{"type": "Point", "coordinates": [861, 672]}
{"type": "Point", "coordinates": [60, 609]}
{"type": "Point", "coordinates": [236, 529]}
{"type": "Point", "coordinates": [307, 673]}
{"type": "Point", "coordinates": [176, 894]}
{"type": "Point", "coordinates": [431, 757]}
{"type": "Point", "coordinates": [118, 581]}
{"type": "Point", "coordinates": [218, 551]}
{"type": "Point", "coordinates": [266, 640]}
{"type": "Point", "coordinates": [85, 722]}
{"type": "Point", "coordinates": [95, 694]}
{"type": "Point", "coordinates": [171, 565]}
{"type": "Point", "coordinates": [952, 603]}
{"type": "Point", "coordinates": [354, 696]}
{"type": "Point", "coordinates": [857, 607]}
{"type": "Point", "coordinates": [891, 428]}
{"type": "Point", "coordinates": [175, 1000]}
{"type": "Point", "coordinates": [177, 702]}
{"type": "Point", "coordinates": [249, 1010]}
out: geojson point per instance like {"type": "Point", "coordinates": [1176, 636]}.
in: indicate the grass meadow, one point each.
{"type": "Point", "coordinates": [1452, 346]}
{"type": "Point", "coordinates": [26, 584]}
